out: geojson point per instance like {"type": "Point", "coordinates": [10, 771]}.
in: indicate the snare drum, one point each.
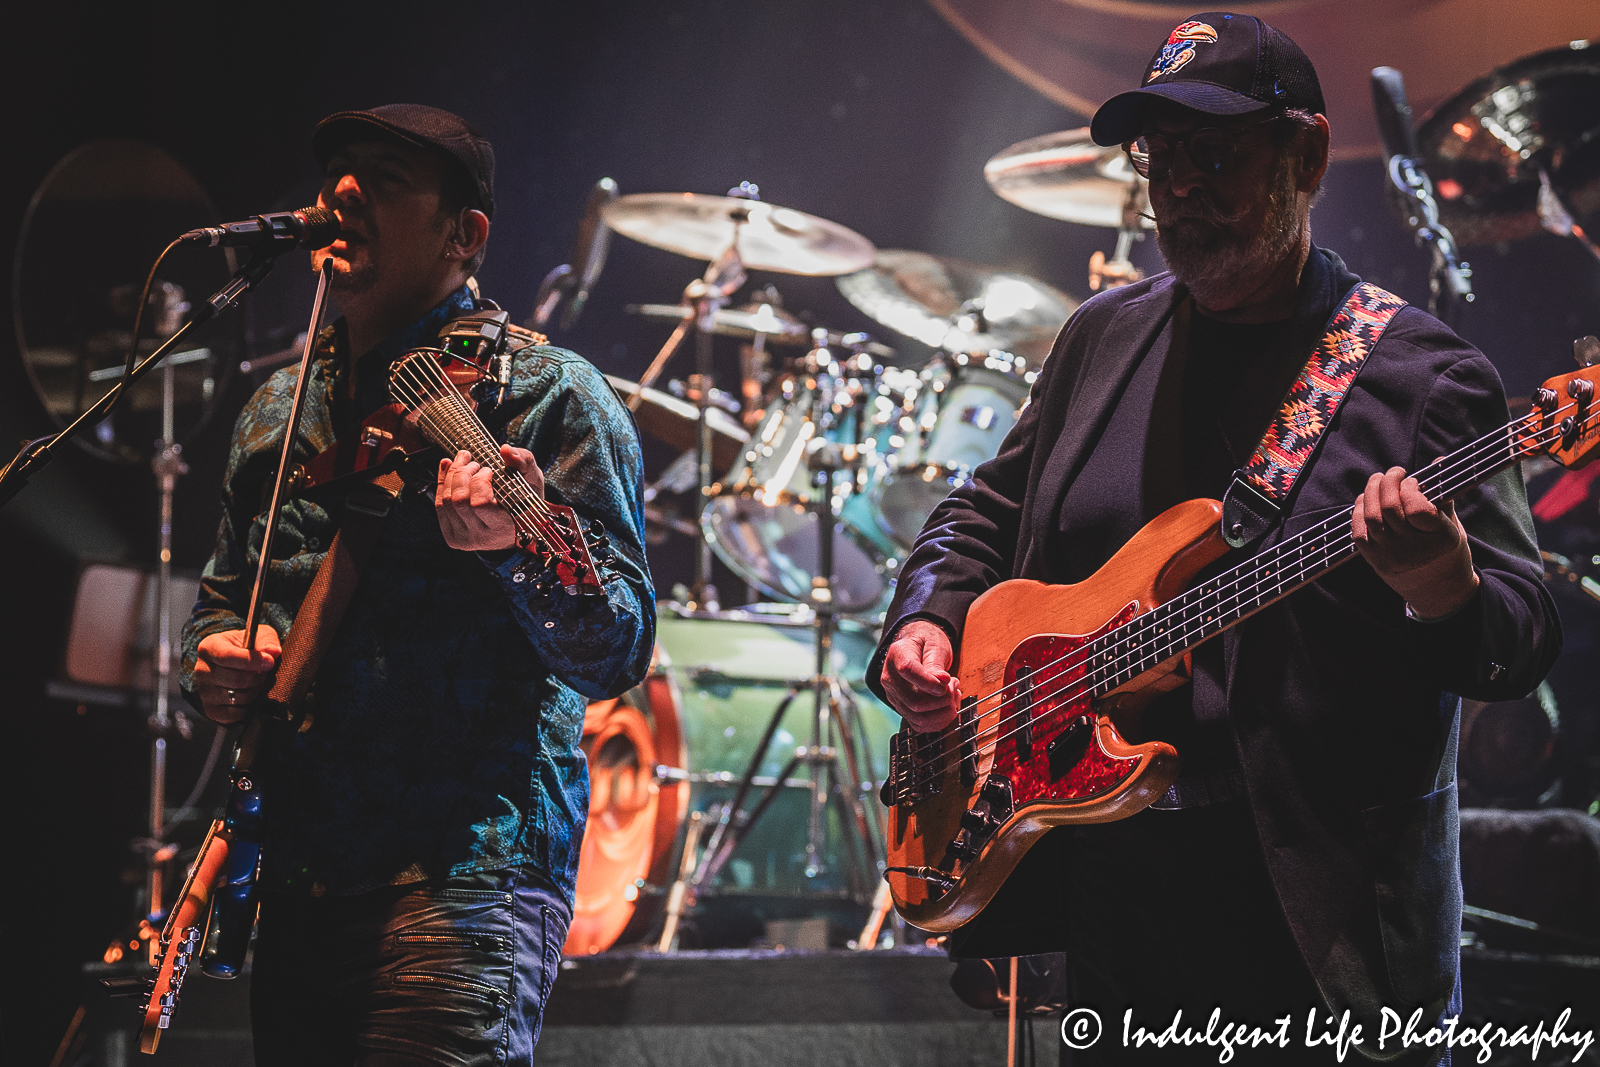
{"type": "Point", "coordinates": [762, 519]}
{"type": "Point", "coordinates": [953, 416]}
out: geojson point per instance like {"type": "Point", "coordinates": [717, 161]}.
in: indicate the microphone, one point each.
{"type": "Point", "coordinates": [1451, 279]}
{"type": "Point", "coordinates": [1393, 113]}
{"type": "Point", "coordinates": [574, 279]}
{"type": "Point", "coordinates": [310, 227]}
{"type": "Point", "coordinates": [589, 250]}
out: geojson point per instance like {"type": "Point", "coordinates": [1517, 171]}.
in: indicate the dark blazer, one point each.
{"type": "Point", "coordinates": [1343, 709]}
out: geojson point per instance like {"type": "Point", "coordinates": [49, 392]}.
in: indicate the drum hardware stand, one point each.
{"type": "Point", "coordinates": [1555, 217]}
{"type": "Point", "coordinates": [1119, 269]}
{"type": "Point", "coordinates": [678, 895]}
{"type": "Point", "coordinates": [708, 294]}
{"type": "Point", "coordinates": [168, 466]}
{"type": "Point", "coordinates": [835, 714]}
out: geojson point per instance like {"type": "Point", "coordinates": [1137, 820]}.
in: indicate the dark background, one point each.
{"type": "Point", "coordinates": [876, 115]}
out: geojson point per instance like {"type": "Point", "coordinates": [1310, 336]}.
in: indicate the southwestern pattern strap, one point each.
{"type": "Point", "coordinates": [1320, 389]}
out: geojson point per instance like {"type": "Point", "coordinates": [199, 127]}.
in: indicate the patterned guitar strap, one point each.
{"type": "Point", "coordinates": [1261, 488]}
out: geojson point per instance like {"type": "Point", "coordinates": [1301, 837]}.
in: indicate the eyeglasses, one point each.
{"type": "Point", "coordinates": [1212, 150]}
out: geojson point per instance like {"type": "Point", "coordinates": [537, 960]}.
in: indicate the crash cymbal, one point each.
{"type": "Point", "coordinates": [958, 306]}
{"type": "Point", "coordinates": [1066, 176]}
{"type": "Point", "coordinates": [677, 422]}
{"type": "Point", "coordinates": [1486, 146]}
{"type": "Point", "coordinates": [770, 237]}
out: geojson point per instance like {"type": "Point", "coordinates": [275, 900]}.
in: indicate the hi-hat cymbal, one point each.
{"type": "Point", "coordinates": [1485, 147]}
{"type": "Point", "coordinates": [959, 306]}
{"type": "Point", "coordinates": [1066, 176]}
{"type": "Point", "coordinates": [770, 237]}
{"type": "Point", "coordinates": [677, 422]}
{"type": "Point", "coordinates": [780, 327]}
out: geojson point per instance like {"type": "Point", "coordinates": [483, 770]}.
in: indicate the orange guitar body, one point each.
{"type": "Point", "coordinates": [997, 782]}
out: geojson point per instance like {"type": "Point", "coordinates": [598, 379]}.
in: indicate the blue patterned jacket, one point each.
{"type": "Point", "coordinates": [448, 709]}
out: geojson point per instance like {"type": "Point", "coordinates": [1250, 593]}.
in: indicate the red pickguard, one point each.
{"type": "Point", "coordinates": [1047, 662]}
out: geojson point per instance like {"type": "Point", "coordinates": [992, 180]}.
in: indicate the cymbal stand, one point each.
{"type": "Point", "coordinates": [835, 723]}
{"type": "Point", "coordinates": [1119, 269]}
{"type": "Point", "coordinates": [707, 294]}
{"type": "Point", "coordinates": [1555, 216]}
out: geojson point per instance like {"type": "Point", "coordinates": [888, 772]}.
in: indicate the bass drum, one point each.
{"type": "Point", "coordinates": [678, 744]}
{"type": "Point", "coordinates": [633, 815]}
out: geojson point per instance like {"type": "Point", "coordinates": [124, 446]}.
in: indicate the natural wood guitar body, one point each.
{"type": "Point", "coordinates": [1027, 629]}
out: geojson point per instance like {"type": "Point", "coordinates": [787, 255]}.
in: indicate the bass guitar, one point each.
{"type": "Point", "coordinates": [1048, 671]}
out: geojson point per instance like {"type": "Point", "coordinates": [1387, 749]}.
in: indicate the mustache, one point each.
{"type": "Point", "coordinates": [1199, 207]}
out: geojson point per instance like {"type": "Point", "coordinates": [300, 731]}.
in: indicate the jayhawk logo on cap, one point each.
{"type": "Point", "coordinates": [1179, 48]}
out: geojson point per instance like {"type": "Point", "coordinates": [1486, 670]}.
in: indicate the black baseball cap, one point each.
{"type": "Point", "coordinates": [1217, 63]}
{"type": "Point", "coordinates": [416, 124]}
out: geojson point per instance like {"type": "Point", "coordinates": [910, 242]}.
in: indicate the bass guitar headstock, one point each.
{"type": "Point", "coordinates": [1565, 420]}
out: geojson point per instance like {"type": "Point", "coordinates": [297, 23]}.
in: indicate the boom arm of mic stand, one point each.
{"type": "Point", "coordinates": [35, 454]}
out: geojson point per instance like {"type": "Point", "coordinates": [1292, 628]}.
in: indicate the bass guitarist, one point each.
{"type": "Point", "coordinates": [1306, 859]}
{"type": "Point", "coordinates": [421, 832]}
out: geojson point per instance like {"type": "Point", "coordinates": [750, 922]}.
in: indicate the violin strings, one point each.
{"type": "Point", "coordinates": [420, 385]}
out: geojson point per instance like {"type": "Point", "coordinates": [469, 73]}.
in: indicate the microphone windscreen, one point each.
{"type": "Point", "coordinates": [1393, 113]}
{"type": "Point", "coordinates": [319, 227]}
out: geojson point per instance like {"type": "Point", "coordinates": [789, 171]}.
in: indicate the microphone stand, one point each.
{"type": "Point", "coordinates": [36, 454]}
{"type": "Point", "coordinates": [572, 281]}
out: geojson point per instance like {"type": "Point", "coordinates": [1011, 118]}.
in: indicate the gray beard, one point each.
{"type": "Point", "coordinates": [1213, 260]}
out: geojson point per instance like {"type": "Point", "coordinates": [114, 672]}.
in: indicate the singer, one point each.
{"type": "Point", "coordinates": [421, 833]}
{"type": "Point", "coordinates": [1307, 856]}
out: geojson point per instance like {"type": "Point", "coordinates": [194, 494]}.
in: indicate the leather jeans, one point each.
{"type": "Point", "coordinates": [450, 972]}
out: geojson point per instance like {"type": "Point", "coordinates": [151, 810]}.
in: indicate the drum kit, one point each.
{"type": "Point", "coordinates": [812, 477]}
